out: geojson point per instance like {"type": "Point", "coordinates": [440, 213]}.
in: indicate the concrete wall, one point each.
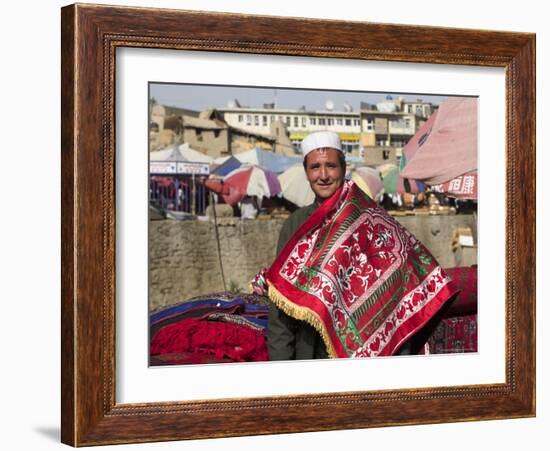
{"type": "Point", "coordinates": [380, 125]}
{"type": "Point", "coordinates": [436, 233]}
{"type": "Point", "coordinates": [374, 156]}
{"type": "Point", "coordinates": [241, 143]}
{"type": "Point", "coordinates": [184, 258]}
{"type": "Point", "coordinates": [158, 114]}
{"type": "Point", "coordinates": [214, 143]}
{"type": "Point", "coordinates": [162, 139]}
{"type": "Point", "coordinates": [283, 144]}
{"type": "Point", "coordinates": [368, 139]}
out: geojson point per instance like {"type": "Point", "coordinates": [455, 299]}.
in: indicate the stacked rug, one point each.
{"type": "Point", "coordinates": [457, 331]}
{"type": "Point", "coordinates": [212, 329]}
{"type": "Point", "coordinates": [227, 327]}
{"type": "Point", "coordinates": [456, 334]}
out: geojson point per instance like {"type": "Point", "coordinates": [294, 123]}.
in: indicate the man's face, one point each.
{"type": "Point", "coordinates": [324, 172]}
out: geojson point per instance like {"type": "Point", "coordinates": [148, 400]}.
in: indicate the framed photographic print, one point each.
{"type": "Point", "coordinates": [217, 151]}
{"type": "Point", "coordinates": [128, 156]}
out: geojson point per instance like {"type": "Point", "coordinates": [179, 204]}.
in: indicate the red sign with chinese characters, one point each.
{"type": "Point", "coordinates": [463, 187]}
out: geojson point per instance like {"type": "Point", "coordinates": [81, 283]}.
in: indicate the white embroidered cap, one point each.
{"type": "Point", "coordinates": [318, 140]}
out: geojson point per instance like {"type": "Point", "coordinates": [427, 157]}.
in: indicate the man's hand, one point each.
{"type": "Point", "coordinates": [259, 284]}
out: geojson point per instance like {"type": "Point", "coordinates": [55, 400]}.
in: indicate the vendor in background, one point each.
{"type": "Point", "coordinates": [414, 200]}
{"type": "Point", "coordinates": [249, 207]}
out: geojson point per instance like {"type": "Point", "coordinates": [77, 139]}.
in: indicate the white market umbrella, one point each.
{"type": "Point", "coordinates": [268, 160]}
{"type": "Point", "coordinates": [180, 152]}
{"type": "Point", "coordinates": [194, 155]}
{"type": "Point", "coordinates": [253, 181]}
{"type": "Point", "coordinates": [369, 180]}
{"type": "Point", "coordinates": [170, 154]}
{"type": "Point", "coordinates": [295, 186]}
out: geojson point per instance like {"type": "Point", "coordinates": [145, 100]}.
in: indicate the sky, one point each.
{"type": "Point", "coordinates": [201, 97]}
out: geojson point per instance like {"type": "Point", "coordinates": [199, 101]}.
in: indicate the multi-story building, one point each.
{"type": "Point", "coordinates": [208, 134]}
{"type": "Point", "coordinates": [388, 126]}
{"type": "Point", "coordinates": [419, 108]}
{"type": "Point", "coordinates": [163, 122]}
{"type": "Point", "coordinates": [375, 134]}
{"type": "Point", "coordinates": [298, 122]}
{"type": "Point", "coordinates": [392, 122]}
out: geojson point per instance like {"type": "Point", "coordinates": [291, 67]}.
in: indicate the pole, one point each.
{"type": "Point", "coordinates": [193, 200]}
{"type": "Point", "coordinates": [213, 204]}
{"type": "Point", "coordinates": [177, 193]}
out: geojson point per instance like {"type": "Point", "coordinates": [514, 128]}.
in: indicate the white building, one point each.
{"type": "Point", "coordinates": [388, 124]}
{"type": "Point", "coordinates": [299, 122]}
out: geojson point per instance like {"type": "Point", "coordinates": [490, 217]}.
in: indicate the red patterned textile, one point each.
{"type": "Point", "coordinates": [356, 275]}
{"type": "Point", "coordinates": [465, 279]}
{"type": "Point", "coordinates": [195, 341]}
{"type": "Point", "coordinates": [454, 335]}
{"type": "Point", "coordinates": [457, 331]}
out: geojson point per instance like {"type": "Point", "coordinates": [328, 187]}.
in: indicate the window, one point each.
{"type": "Point", "coordinates": [321, 121]}
{"type": "Point", "coordinates": [339, 121]}
{"type": "Point", "coordinates": [313, 121]}
{"type": "Point", "coordinates": [264, 120]}
{"type": "Point", "coordinates": [330, 121]}
{"type": "Point", "coordinates": [350, 146]}
{"type": "Point", "coordinates": [248, 119]}
{"type": "Point", "coordinates": [271, 119]}
{"type": "Point", "coordinates": [256, 120]}
{"type": "Point", "coordinates": [370, 124]}
{"type": "Point", "coordinates": [240, 118]}
{"type": "Point", "coordinates": [356, 122]}
{"type": "Point", "coordinates": [296, 121]}
{"type": "Point", "coordinates": [287, 121]}
{"type": "Point", "coordinates": [400, 123]}
{"type": "Point", "coordinates": [348, 122]}
{"type": "Point", "coordinates": [303, 121]}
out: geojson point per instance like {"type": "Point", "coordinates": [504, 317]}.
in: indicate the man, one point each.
{"type": "Point", "coordinates": [325, 167]}
{"type": "Point", "coordinates": [349, 280]}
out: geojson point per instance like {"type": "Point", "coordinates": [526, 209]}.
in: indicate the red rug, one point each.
{"type": "Point", "coordinates": [453, 335]}
{"type": "Point", "coordinates": [195, 341]}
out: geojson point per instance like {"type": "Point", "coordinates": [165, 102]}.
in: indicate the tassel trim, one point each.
{"type": "Point", "coordinates": [302, 314]}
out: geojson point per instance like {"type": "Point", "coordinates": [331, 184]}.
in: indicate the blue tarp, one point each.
{"type": "Point", "coordinates": [268, 160]}
{"type": "Point", "coordinates": [225, 168]}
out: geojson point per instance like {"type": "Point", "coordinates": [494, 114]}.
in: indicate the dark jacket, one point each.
{"type": "Point", "coordinates": [289, 338]}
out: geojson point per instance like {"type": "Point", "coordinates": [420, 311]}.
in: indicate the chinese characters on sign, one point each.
{"type": "Point", "coordinates": [464, 186]}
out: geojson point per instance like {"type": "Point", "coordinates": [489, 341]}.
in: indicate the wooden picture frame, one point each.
{"type": "Point", "coordinates": [90, 36]}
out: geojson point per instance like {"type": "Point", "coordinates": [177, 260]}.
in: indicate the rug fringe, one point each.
{"type": "Point", "coordinates": [302, 314]}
